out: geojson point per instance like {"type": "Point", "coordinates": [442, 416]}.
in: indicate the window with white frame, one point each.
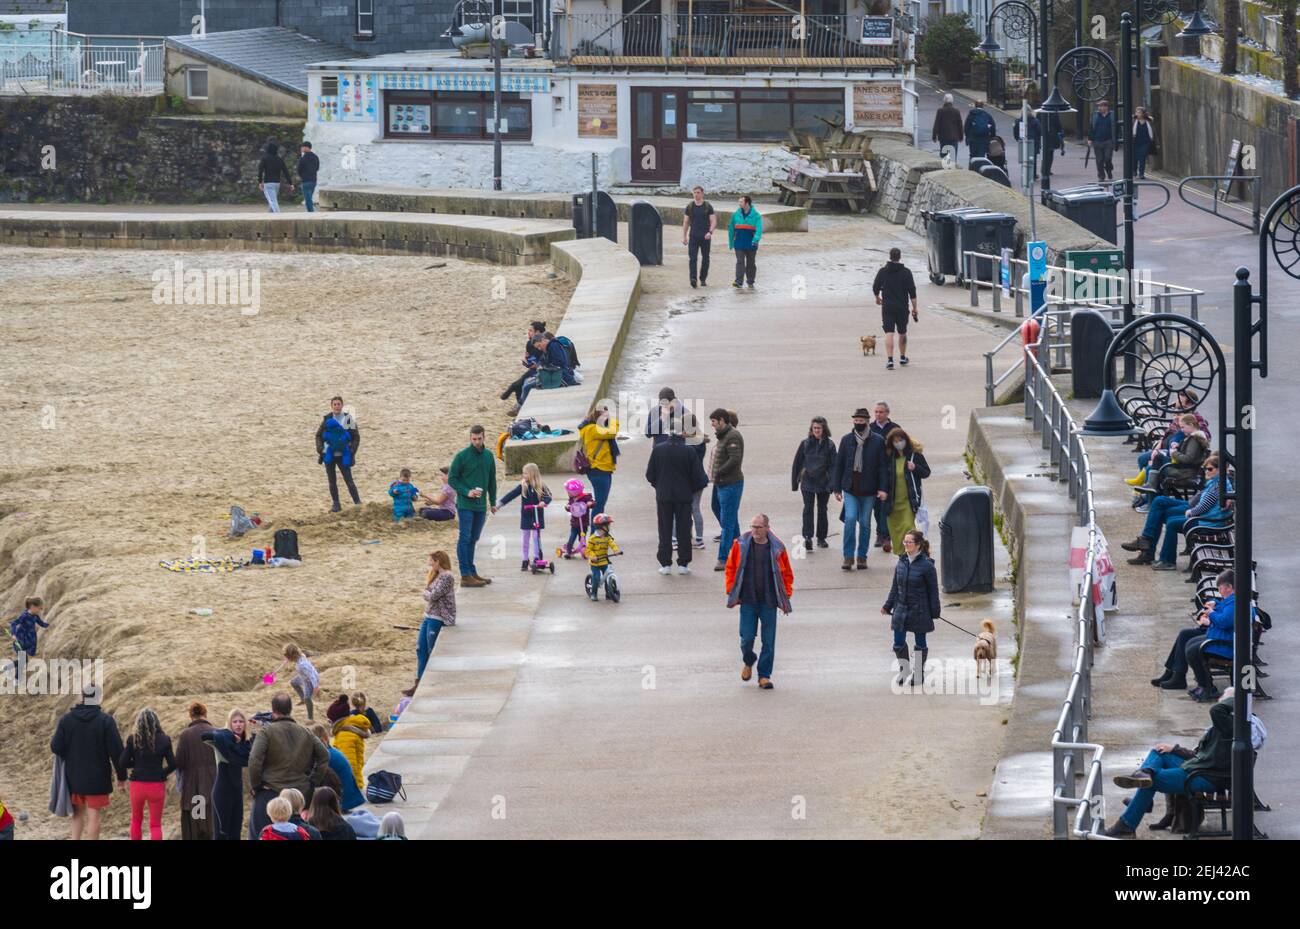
{"type": "Point", "coordinates": [365, 17]}
{"type": "Point", "coordinates": [196, 83]}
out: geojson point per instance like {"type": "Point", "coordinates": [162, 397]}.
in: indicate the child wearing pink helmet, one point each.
{"type": "Point", "coordinates": [579, 509]}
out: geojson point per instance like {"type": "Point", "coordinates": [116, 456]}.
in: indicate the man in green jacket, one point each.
{"type": "Point", "coordinates": [1173, 769]}
{"type": "Point", "coordinates": [728, 480]}
{"type": "Point", "coordinates": [743, 233]}
{"type": "Point", "coordinates": [473, 475]}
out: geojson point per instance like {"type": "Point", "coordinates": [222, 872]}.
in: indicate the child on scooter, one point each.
{"type": "Point", "coordinates": [579, 508]}
{"type": "Point", "coordinates": [533, 498]}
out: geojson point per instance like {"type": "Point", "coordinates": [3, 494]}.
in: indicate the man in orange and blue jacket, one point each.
{"type": "Point", "coordinates": [760, 581]}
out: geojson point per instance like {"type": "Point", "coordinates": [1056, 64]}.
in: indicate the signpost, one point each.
{"type": "Point", "coordinates": [1037, 252]}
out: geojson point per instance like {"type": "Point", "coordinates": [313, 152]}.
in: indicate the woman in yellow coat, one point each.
{"type": "Point", "coordinates": [599, 435]}
{"type": "Point", "coordinates": [350, 733]}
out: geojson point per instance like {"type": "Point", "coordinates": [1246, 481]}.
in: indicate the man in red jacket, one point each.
{"type": "Point", "coordinates": [760, 581]}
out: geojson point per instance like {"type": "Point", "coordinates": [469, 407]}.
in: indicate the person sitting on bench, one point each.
{"type": "Point", "coordinates": [552, 362]}
{"type": "Point", "coordinates": [1173, 770]}
{"type": "Point", "coordinates": [535, 329]}
{"type": "Point", "coordinates": [1212, 635]}
{"type": "Point", "coordinates": [1169, 514]}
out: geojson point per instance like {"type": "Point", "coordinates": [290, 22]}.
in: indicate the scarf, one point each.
{"type": "Point", "coordinates": [857, 452]}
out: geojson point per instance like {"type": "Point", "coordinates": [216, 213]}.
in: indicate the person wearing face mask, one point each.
{"type": "Point", "coordinates": [907, 468]}
{"type": "Point", "coordinates": [861, 473]}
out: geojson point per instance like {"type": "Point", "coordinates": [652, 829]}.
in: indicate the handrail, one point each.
{"type": "Point", "coordinates": [1253, 180]}
{"type": "Point", "coordinates": [1061, 439]}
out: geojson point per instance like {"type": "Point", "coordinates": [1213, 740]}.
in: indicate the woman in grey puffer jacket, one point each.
{"type": "Point", "coordinates": [812, 474]}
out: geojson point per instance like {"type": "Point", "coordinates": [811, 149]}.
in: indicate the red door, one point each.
{"type": "Point", "coordinates": [658, 118]}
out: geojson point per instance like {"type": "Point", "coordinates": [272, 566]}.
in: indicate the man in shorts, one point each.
{"type": "Point", "coordinates": [893, 288]}
{"type": "Point", "coordinates": [87, 741]}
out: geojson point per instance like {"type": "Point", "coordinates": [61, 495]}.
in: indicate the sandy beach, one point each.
{"type": "Point", "coordinates": [132, 426]}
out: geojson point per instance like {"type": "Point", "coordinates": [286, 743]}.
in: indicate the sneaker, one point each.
{"type": "Point", "coordinates": [902, 359]}
{"type": "Point", "coordinates": [751, 285]}
{"type": "Point", "coordinates": [1135, 781]}
{"type": "Point", "coordinates": [703, 282]}
{"type": "Point", "coordinates": [1164, 566]}
{"type": "Point", "coordinates": [694, 284]}
{"type": "Point", "coordinates": [665, 569]}
{"type": "Point", "coordinates": [1205, 694]}
{"type": "Point", "coordinates": [469, 580]}
{"type": "Point", "coordinates": [1142, 507]}
{"type": "Point", "coordinates": [594, 598]}
{"type": "Point", "coordinates": [524, 565]}
{"type": "Point", "coordinates": [764, 683]}
{"type": "Point", "coordinates": [699, 543]}
{"type": "Point", "coordinates": [718, 537]}
{"type": "Point", "coordinates": [821, 543]}
{"type": "Point", "coordinates": [1140, 544]}
{"type": "Point", "coordinates": [720, 566]}
{"type": "Point", "coordinates": [889, 364]}
{"type": "Point", "coordinates": [736, 284]}
{"type": "Point", "coordinates": [683, 569]}
{"type": "Point", "coordinates": [335, 508]}
{"type": "Point", "coordinates": [746, 672]}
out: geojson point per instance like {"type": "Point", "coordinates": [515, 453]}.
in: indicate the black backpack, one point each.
{"type": "Point", "coordinates": [569, 350]}
{"type": "Point", "coordinates": [286, 544]}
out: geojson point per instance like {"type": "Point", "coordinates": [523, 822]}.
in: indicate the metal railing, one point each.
{"type": "Point", "coordinates": [723, 38]}
{"type": "Point", "coordinates": [78, 67]}
{"type": "Point", "coordinates": [1070, 745]}
{"type": "Point", "coordinates": [1218, 189]}
{"type": "Point", "coordinates": [1054, 338]}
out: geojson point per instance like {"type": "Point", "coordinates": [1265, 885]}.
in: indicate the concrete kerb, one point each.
{"type": "Point", "coordinates": [557, 206]}
{"type": "Point", "coordinates": [597, 320]}
{"type": "Point", "coordinates": [496, 239]}
{"type": "Point", "coordinates": [1038, 518]}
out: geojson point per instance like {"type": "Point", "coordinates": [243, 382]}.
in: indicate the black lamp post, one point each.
{"type": "Point", "coordinates": [1094, 73]}
{"type": "Point", "coordinates": [1018, 22]}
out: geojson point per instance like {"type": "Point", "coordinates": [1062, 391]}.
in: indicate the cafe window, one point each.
{"type": "Point", "coordinates": [758, 114]}
{"type": "Point", "coordinates": [454, 115]}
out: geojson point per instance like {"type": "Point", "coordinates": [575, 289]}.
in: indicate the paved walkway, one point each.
{"type": "Point", "coordinates": [630, 720]}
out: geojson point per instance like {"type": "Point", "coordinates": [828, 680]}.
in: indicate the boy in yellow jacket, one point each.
{"type": "Point", "coordinates": [600, 545]}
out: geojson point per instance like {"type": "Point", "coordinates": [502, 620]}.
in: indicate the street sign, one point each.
{"type": "Point", "coordinates": [1006, 271]}
{"type": "Point", "coordinates": [1105, 284]}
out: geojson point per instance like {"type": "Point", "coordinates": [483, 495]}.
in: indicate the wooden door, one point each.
{"type": "Point", "coordinates": [658, 130]}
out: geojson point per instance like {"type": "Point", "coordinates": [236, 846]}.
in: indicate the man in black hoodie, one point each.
{"type": "Point", "coordinates": [87, 741]}
{"type": "Point", "coordinates": [893, 287]}
{"type": "Point", "coordinates": [308, 166]}
{"type": "Point", "coordinates": [676, 472]}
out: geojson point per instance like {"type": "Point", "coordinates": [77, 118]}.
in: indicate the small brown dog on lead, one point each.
{"type": "Point", "coordinates": [986, 648]}
{"type": "Point", "coordinates": [868, 345]}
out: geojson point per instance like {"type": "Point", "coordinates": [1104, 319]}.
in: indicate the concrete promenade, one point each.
{"type": "Point", "coordinates": [545, 715]}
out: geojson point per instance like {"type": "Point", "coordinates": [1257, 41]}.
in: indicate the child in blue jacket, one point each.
{"type": "Point", "coordinates": [404, 495]}
{"type": "Point", "coordinates": [23, 629]}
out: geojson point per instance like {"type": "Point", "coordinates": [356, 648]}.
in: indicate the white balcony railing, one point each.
{"type": "Point", "coordinates": [77, 67]}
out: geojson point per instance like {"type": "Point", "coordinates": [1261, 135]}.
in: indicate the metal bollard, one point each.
{"type": "Point", "coordinates": [974, 284]}
{"type": "Point", "coordinates": [1020, 303]}
{"type": "Point", "coordinates": [997, 298]}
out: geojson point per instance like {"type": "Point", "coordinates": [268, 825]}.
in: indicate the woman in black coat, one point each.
{"type": "Point", "coordinates": [232, 745]}
{"type": "Point", "coordinates": [813, 475]}
{"type": "Point", "coordinates": [913, 603]}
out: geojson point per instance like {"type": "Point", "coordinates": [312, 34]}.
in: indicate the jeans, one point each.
{"type": "Point", "coordinates": [1165, 513]}
{"type": "Point", "coordinates": [697, 515]}
{"type": "Point", "coordinates": [900, 638]}
{"type": "Point", "coordinates": [600, 484]}
{"type": "Point", "coordinates": [152, 793]}
{"type": "Point", "coordinates": [699, 248]}
{"type": "Point", "coordinates": [750, 617]}
{"type": "Point", "coordinates": [429, 630]}
{"type": "Point", "coordinates": [857, 522]}
{"type": "Point", "coordinates": [305, 693]}
{"type": "Point", "coordinates": [335, 464]}
{"type": "Point", "coordinates": [820, 499]}
{"type": "Point", "coordinates": [308, 191]}
{"type": "Point", "coordinates": [597, 578]}
{"type": "Point", "coordinates": [745, 266]}
{"type": "Point", "coordinates": [471, 527]}
{"type": "Point", "coordinates": [678, 515]}
{"type": "Point", "coordinates": [1144, 459]}
{"type": "Point", "coordinates": [1167, 777]}
{"type": "Point", "coordinates": [727, 497]}
{"type": "Point", "coordinates": [272, 194]}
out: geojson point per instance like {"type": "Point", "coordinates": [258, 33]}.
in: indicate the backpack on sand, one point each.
{"type": "Point", "coordinates": [286, 544]}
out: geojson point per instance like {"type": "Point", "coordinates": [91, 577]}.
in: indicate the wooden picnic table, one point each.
{"type": "Point", "coordinates": [818, 184]}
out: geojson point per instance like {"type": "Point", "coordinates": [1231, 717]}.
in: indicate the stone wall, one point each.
{"type": "Point", "coordinates": [118, 150]}
{"type": "Point", "coordinates": [898, 168]}
{"type": "Point", "coordinates": [1206, 111]}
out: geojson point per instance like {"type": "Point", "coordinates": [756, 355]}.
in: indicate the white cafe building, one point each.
{"type": "Point", "coordinates": [666, 93]}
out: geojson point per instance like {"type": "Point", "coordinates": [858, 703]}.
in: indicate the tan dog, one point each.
{"type": "Point", "coordinates": [868, 345]}
{"type": "Point", "coordinates": [986, 648]}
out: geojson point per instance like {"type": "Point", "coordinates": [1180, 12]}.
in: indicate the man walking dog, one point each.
{"type": "Point", "coordinates": [893, 288]}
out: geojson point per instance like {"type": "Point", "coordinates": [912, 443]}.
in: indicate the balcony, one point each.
{"type": "Point", "coordinates": [715, 40]}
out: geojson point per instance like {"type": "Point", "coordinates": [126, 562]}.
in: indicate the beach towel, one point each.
{"type": "Point", "coordinates": [60, 802]}
{"type": "Point", "coordinates": [203, 565]}
{"type": "Point", "coordinates": [239, 522]}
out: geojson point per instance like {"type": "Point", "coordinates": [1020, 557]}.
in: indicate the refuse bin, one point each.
{"type": "Point", "coordinates": [995, 173]}
{"type": "Point", "coordinates": [941, 240]}
{"type": "Point", "coordinates": [1091, 206]}
{"type": "Point", "coordinates": [1090, 335]}
{"type": "Point", "coordinates": [987, 233]}
{"type": "Point", "coordinates": [966, 552]}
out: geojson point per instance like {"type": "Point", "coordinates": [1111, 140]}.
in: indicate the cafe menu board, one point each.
{"type": "Point", "coordinates": [407, 117]}
{"type": "Point", "coordinates": [877, 30]}
{"type": "Point", "coordinates": [597, 111]}
{"type": "Point", "coordinates": [878, 105]}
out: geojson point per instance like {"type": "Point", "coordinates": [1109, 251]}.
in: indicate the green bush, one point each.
{"type": "Point", "coordinates": [950, 42]}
